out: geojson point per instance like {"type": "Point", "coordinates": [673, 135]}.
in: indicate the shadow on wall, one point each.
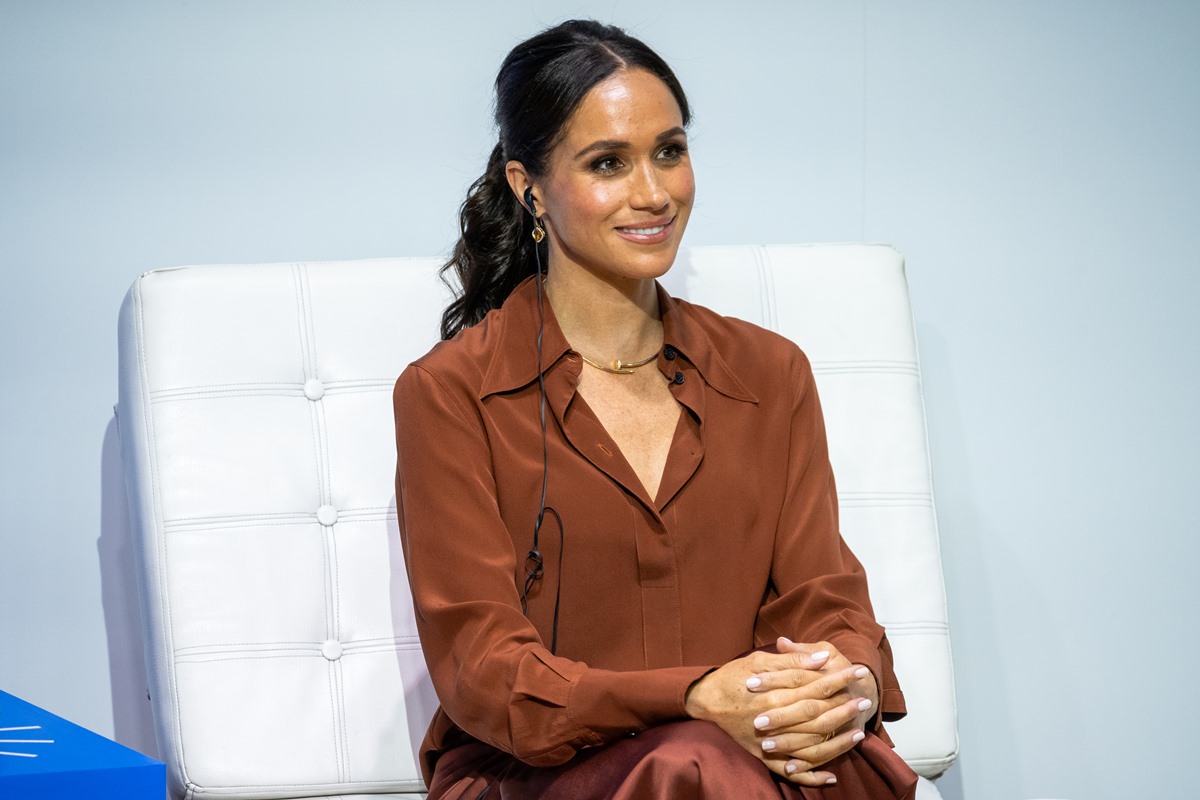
{"type": "Point", "coordinates": [133, 725]}
{"type": "Point", "coordinates": [977, 655]}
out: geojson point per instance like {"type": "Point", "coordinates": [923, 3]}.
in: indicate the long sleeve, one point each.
{"type": "Point", "coordinates": [494, 677]}
{"type": "Point", "coordinates": [818, 587]}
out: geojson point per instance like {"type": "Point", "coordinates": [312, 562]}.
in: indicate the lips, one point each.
{"type": "Point", "coordinates": [648, 232]}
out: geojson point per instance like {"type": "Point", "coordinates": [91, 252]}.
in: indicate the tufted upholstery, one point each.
{"type": "Point", "coordinates": [257, 443]}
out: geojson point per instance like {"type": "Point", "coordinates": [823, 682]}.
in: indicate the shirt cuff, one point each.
{"type": "Point", "coordinates": [607, 705]}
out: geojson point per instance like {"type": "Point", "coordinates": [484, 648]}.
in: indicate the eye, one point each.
{"type": "Point", "coordinates": [672, 151]}
{"type": "Point", "coordinates": [606, 165]}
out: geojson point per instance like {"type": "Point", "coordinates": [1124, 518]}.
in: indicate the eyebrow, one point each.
{"type": "Point", "coordinates": [617, 144]}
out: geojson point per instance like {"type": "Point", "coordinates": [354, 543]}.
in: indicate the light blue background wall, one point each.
{"type": "Point", "coordinates": [1037, 162]}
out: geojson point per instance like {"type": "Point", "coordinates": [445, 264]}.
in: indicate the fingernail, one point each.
{"type": "Point", "coordinates": [762, 722]}
{"type": "Point", "coordinates": [830, 781]}
{"type": "Point", "coordinates": [768, 744]}
{"type": "Point", "coordinates": [753, 683]}
{"type": "Point", "coordinates": [858, 736]}
{"type": "Point", "coordinates": [820, 655]}
{"type": "Point", "coordinates": [864, 704]}
{"type": "Point", "coordinates": [862, 672]}
{"type": "Point", "coordinates": [790, 768]}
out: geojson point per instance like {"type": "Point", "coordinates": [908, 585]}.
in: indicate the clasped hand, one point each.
{"type": "Point", "coordinates": [795, 710]}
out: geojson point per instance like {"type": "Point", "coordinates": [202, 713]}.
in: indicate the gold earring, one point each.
{"type": "Point", "coordinates": [539, 232]}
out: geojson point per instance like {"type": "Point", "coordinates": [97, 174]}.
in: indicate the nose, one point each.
{"type": "Point", "coordinates": [648, 191]}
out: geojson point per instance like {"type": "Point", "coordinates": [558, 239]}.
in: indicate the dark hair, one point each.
{"type": "Point", "coordinates": [538, 88]}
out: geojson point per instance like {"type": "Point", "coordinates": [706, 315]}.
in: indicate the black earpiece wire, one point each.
{"type": "Point", "coordinates": [535, 564]}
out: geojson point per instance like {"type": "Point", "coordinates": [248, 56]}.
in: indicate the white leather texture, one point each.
{"type": "Point", "coordinates": [257, 440]}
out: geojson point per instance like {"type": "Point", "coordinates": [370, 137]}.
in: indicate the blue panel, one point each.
{"type": "Point", "coordinates": [45, 757]}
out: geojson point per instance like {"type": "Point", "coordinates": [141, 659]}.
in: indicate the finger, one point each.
{"type": "Point", "coordinates": [812, 656]}
{"type": "Point", "coordinates": [796, 715]}
{"type": "Point", "coordinates": [816, 748]}
{"type": "Point", "coordinates": [832, 657]}
{"type": "Point", "coordinates": [796, 771]}
{"type": "Point", "coordinates": [821, 754]}
{"type": "Point", "coordinates": [782, 679]}
{"type": "Point", "coordinates": [782, 708]}
{"type": "Point", "coordinates": [812, 778]}
{"type": "Point", "coordinates": [801, 772]}
{"type": "Point", "coordinates": [778, 765]}
{"type": "Point", "coordinates": [774, 662]}
{"type": "Point", "coordinates": [813, 715]}
{"type": "Point", "coordinates": [836, 719]}
{"type": "Point", "coordinates": [822, 684]}
{"type": "Point", "coordinates": [791, 744]}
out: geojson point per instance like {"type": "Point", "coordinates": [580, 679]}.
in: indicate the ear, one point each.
{"type": "Point", "coordinates": [520, 181]}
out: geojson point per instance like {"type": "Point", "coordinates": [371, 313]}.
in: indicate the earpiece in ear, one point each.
{"type": "Point", "coordinates": [539, 232]}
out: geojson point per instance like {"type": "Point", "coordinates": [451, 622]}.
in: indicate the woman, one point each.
{"type": "Point", "coordinates": [617, 507]}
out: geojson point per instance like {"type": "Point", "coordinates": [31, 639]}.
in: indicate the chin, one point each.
{"type": "Point", "coordinates": [649, 267]}
{"type": "Point", "coordinates": [647, 261]}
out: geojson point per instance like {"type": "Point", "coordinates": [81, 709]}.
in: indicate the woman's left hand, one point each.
{"type": "Point", "coordinates": [808, 743]}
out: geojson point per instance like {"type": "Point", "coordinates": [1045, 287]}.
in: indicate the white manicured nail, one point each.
{"type": "Point", "coordinates": [790, 768]}
{"type": "Point", "coordinates": [862, 672]}
{"type": "Point", "coordinates": [762, 722]}
{"type": "Point", "coordinates": [858, 736]}
{"type": "Point", "coordinates": [768, 744]}
{"type": "Point", "coordinates": [820, 655]}
{"type": "Point", "coordinates": [864, 704]}
{"type": "Point", "coordinates": [753, 683]}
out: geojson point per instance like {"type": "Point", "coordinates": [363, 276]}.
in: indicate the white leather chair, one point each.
{"type": "Point", "coordinates": [256, 435]}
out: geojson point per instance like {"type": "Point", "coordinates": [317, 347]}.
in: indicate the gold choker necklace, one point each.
{"type": "Point", "coordinates": [618, 366]}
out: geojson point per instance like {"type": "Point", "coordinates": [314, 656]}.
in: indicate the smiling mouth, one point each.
{"type": "Point", "coordinates": [645, 231]}
{"type": "Point", "coordinates": [648, 233]}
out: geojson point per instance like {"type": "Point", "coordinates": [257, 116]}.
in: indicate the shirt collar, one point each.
{"type": "Point", "coordinates": [684, 332]}
{"type": "Point", "coordinates": [514, 362]}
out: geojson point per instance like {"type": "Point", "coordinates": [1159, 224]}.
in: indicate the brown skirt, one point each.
{"type": "Point", "coordinates": [689, 759]}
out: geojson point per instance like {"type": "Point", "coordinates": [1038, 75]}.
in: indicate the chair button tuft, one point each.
{"type": "Point", "coordinates": [327, 515]}
{"type": "Point", "coordinates": [332, 650]}
{"type": "Point", "coordinates": [314, 389]}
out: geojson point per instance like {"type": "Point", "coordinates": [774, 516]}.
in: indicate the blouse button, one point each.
{"type": "Point", "coordinates": [669, 353]}
{"type": "Point", "coordinates": [678, 379]}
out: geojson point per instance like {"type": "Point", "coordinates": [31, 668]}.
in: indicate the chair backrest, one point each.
{"type": "Point", "coordinates": [256, 434]}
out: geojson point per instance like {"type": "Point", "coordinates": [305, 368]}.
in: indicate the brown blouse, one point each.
{"type": "Point", "coordinates": [740, 546]}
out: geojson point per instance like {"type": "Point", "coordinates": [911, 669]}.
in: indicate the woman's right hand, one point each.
{"type": "Point", "coordinates": [808, 714]}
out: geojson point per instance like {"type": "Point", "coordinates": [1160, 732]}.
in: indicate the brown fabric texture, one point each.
{"type": "Point", "coordinates": [740, 546]}
{"type": "Point", "coordinates": [691, 760]}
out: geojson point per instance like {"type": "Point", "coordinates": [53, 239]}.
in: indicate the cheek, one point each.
{"type": "Point", "coordinates": [683, 186]}
{"type": "Point", "coordinates": [586, 203]}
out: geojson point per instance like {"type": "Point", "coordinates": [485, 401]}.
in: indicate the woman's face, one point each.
{"type": "Point", "coordinates": [618, 187]}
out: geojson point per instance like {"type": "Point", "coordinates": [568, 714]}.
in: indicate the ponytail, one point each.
{"type": "Point", "coordinates": [495, 251]}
